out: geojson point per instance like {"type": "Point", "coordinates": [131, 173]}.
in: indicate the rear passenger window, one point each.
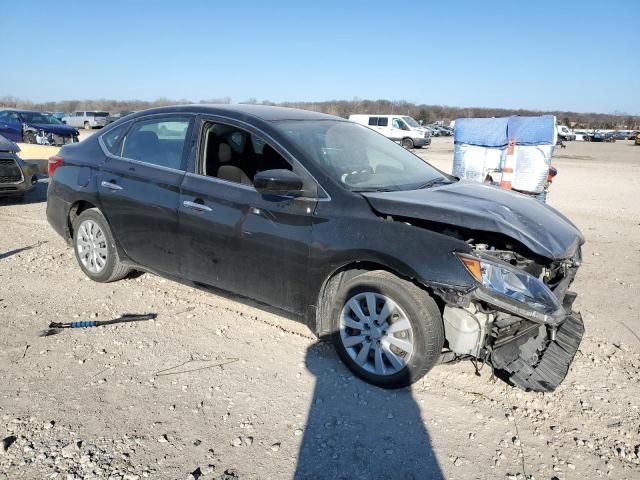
{"type": "Point", "coordinates": [159, 142]}
{"type": "Point", "coordinates": [383, 122]}
{"type": "Point", "coordinates": [113, 139]}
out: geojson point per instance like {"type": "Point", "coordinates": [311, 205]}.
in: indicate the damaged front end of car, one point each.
{"type": "Point", "coordinates": [518, 317]}
{"type": "Point", "coordinates": [42, 136]}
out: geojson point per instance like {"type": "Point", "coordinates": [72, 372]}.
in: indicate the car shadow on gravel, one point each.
{"type": "Point", "coordinates": [358, 431]}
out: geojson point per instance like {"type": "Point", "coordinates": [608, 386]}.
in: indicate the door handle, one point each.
{"type": "Point", "coordinates": [200, 207]}
{"type": "Point", "coordinates": [111, 185]}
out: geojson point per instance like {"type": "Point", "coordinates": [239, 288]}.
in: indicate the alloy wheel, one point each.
{"type": "Point", "coordinates": [376, 333]}
{"type": "Point", "coordinates": [91, 244]}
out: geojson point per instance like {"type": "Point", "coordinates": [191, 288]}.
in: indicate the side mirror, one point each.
{"type": "Point", "coordinates": [278, 182]}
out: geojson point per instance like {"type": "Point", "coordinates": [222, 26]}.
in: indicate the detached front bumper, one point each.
{"type": "Point", "coordinates": [538, 360]}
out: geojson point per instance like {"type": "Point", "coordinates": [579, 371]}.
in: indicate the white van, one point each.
{"type": "Point", "coordinates": [399, 128]}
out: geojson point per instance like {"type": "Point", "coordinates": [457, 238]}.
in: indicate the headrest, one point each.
{"type": "Point", "coordinates": [146, 139]}
{"type": "Point", "coordinates": [224, 153]}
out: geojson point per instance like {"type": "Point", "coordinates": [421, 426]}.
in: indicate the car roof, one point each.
{"type": "Point", "coordinates": [21, 110]}
{"type": "Point", "coordinates": [263, 112]}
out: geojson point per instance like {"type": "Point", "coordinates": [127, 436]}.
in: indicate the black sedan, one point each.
{"type": "Point", "coordinates": [35, 127]}
{"type": "Point", "coordinates": [400, 264]}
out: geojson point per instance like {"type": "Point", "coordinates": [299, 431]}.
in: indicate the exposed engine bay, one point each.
{"type": "Point", "coordinates": [519, 320]}
{"type": "Point", "coordinates": [41, 137]}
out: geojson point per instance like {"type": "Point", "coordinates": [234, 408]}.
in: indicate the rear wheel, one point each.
{"type": "Point", "coordinates": [407, 143]}
{"type": "Point", "coordinates": [87, 126]}
{"type": "Point", "coordinates": [95, 248]}
{"type": "Point", "coordinates": [388, 331]}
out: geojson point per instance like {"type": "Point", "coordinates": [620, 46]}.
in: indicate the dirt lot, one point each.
{"type": "Point", "coordinates": [214, 388]}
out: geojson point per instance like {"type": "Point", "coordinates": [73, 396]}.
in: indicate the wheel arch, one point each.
{"type": "Point", "coordinates": [75, 210]}
{"type": "Point", "coordinates": [320, 321]}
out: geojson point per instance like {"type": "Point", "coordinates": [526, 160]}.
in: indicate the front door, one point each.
{"type": "Point", "coordinates": [140, 190]}
{"type": "Point", "coordinates": [236, 239]}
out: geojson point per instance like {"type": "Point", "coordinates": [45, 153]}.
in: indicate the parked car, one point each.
{"type": "Point", "coordinates": [565, 135]}
{"type": "Point", "coordinates": [86, 119]}
{"type": "Point", "coordinates": [17, 177]}
{"type": "Point", "coordinates": [599, 136]}
{"type": "Point", "coordinates": [400, 264]}
{"type": "Point", "coordinates": [632, 135]}
{"type": "Point", "coordinates": [441, 131]}
{"type": "Point", "coordinates": [637, 140]}
{"type": "Point", "coordinates": [399, 128]}
{"type": "Point", "coordinates": [35, 127]}
{"type": "Point", "coordinates": [620, 135]}
{"type": "Point", "coordinates": [118, 116]}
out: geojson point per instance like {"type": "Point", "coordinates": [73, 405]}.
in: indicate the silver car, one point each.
{"type": "Point", "coordinates": [86, 119]}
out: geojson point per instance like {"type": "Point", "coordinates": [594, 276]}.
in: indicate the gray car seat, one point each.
{"type": "Point", "coordinates": [228, 172]}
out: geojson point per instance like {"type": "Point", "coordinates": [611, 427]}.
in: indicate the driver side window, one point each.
{"type": "Point", "coordinates": [397, 123]}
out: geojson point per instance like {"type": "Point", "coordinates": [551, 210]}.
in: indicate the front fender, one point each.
{"type": "Point", "coordinates": [411, 252]}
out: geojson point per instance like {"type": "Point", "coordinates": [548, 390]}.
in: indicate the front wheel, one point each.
{"type": "Point", "coordinates": [388, 331]}
{"type": "Point", "coordinates": [407, 143]}
{"type": "Point", "coordinates": [87, 126]}
{"type": "Point", "coordinates": [29, 137]}
{"type": "Point", "coordinates": [95, 248]}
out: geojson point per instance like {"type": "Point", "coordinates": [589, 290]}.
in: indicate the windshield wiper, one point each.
{"type": "Point", "coordinates": [434, 182]}
{"type": "Point", "coordinates": [374, 189]}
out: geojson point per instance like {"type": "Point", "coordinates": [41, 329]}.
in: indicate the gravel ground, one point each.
{"type": "Point", "coordinates": [217, 388]}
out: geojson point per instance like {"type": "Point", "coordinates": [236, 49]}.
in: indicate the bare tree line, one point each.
{"type": "Point", "coordinates": [344, 108]}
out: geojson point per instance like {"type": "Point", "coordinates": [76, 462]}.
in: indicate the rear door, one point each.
{"type": "Point", "coordinates": [383, 127]}
{"type": "Point", "coordinates": [139, 187]}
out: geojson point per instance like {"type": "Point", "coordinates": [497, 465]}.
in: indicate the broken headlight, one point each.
{"type": "Point", "coordinates": [507, 282]}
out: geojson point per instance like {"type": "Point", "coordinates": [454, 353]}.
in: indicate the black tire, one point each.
{"type": "Point", "coordinates": [87, 126]}
{"type": "Point", "coordinates": [113, 269]}
{"type": "Point", "coordinates": [421, 311]}
{"type": "Point", "coordinates": [407, 143]}
{"type": "Point", "coordinates": [29, 137]}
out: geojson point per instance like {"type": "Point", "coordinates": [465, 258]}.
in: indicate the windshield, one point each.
{"type": "Point", "coordinates": [412, 123]}
{"type": "Point", "coordinates": [42, 118]}
{"type": "Point", "coordinates": [357, 157]}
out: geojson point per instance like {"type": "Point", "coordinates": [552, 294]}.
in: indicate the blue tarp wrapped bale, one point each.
{"type": "Point", "coordinates": [482, 132]}
{"type": "Point", "coordinates": [481, 146]}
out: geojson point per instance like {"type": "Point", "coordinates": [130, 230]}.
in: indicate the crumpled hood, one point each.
{"type": "Point", "coordinates": [477, 206]}
{"type": "Point", "coordinates": [56, 129]}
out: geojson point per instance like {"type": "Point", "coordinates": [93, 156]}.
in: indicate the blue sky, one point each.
{"type": "Point", "coordinates": [566, 55]}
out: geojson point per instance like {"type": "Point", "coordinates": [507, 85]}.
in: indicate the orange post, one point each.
{"type": "Point", "coordinates": [508, 168]}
